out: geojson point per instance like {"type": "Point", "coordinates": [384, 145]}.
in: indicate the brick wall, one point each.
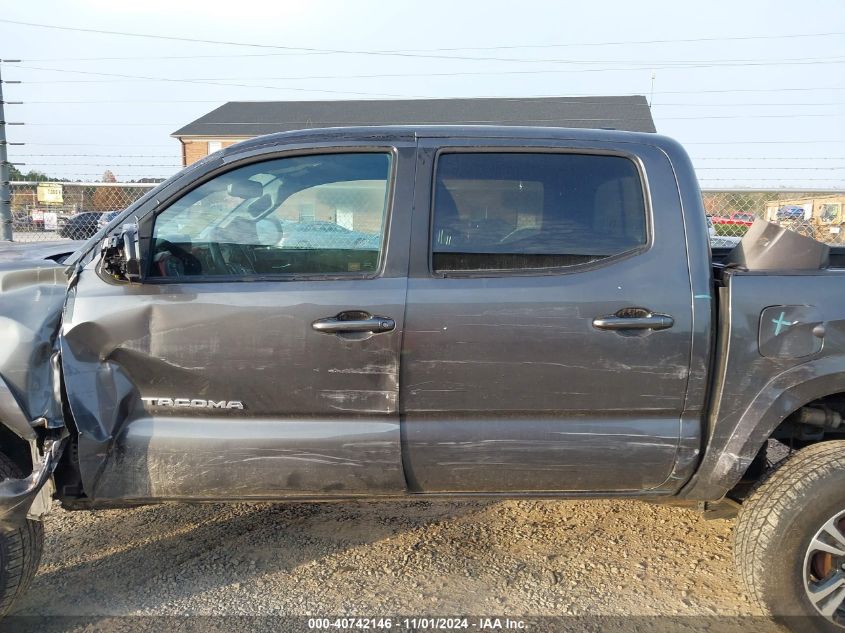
{"type": "Point", "coordinates": [195, 149]}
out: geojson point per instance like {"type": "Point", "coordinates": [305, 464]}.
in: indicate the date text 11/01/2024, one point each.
{"type": "Point", "coordinates": [416, 624]}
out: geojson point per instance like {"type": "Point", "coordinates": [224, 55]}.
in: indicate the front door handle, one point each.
{"type": "Point", "coordinates": [636, 321]}
{"type": "Point", "coordinates": [364, 323]}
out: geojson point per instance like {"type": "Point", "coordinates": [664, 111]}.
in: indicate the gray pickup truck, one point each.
{"type": "Point", "coordinates": [405, 312]}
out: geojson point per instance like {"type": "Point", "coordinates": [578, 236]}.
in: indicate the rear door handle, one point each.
{"type": "Point", "coordinates": [649, 321]}
{"type": "Point", "coordinates": [338, 324]}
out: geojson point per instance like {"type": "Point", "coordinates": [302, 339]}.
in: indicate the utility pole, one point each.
{"type": "Point", "coordinates": [5, 189]}
{"type": "Point", "coordinates": [651, 94]}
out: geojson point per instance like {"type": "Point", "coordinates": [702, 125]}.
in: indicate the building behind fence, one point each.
{"type": "Point", "coordinates": [50, 211]}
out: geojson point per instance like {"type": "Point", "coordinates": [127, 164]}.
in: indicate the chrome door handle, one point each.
{"type": "Point", "coordinates": [337, 324]}
{"type": "Point", "coordinates": [650, 321]}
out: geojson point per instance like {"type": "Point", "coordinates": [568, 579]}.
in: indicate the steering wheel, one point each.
{"type": "Point", "coordinates": [192, 265]}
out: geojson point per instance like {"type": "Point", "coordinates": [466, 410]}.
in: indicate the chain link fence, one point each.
{"type": "Point", "coordinates": [816, 214]}
{"type": "Point", "coordinates": [46, 211]}
{"type": "Point", "coordinates": [75, 211]}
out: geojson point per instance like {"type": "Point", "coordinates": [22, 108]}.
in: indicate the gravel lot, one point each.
{"type": "Point", "coordinates": [514, 558]}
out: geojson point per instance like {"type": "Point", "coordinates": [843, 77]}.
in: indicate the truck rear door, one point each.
{"type": "Point", "coordinates": [259, 357]}
{"type": "Point", "coordinates": [548, 319]}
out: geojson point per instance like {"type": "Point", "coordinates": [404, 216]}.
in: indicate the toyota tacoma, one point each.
{"type": "Point", "coordinates": [497, 311]}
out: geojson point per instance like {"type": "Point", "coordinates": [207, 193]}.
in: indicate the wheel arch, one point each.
{"type": "Point", "coordinates": [730, 451]}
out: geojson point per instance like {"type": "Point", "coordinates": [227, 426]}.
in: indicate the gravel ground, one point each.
{"type": "Point", "coordinates": [515, 558]}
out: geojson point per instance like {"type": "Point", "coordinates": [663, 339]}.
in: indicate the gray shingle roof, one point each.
{"type": "Point", "coordinates": [253, 118]}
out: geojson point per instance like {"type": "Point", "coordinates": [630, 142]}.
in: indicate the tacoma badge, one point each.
{"type": "Point", "coordinates": [193, 403]}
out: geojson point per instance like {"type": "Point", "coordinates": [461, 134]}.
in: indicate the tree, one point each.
{"type": "Point", "coordinates": [31, 176]}
{"type": "Point", "coordinates": [110, 199]}
{"type": "Point", "coordinates": [108, 176]}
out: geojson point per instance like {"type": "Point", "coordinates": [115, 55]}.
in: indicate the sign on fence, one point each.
{"type": "Point", "coordinates": [49, 193]}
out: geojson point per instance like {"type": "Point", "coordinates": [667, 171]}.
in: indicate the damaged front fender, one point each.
{"type": "Point", "coordinates": [32, 296]}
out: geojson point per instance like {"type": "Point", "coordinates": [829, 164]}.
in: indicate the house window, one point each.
{"type": "Point", "coordinates": [214, 146]}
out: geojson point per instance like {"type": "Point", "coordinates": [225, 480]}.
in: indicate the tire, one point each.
{"type": "Point", "coordinates": [774, 547]}
{"type": "Point", "coordinates": [20, 550]}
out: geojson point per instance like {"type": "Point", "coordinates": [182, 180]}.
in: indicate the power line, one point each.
{"type": "Point", "coordinates": [408, 52]}
{"type": "Point", "coordinates": [739, 105]}
{"type": "Point", "coordinates": [804, 142]}
{"type": "Point", "coordinates": [216, 80]}
{"type": "Point", "coordinates": [770, 168]}
{"type": "Point", "coordinates": [194, 81]}
{"type": "Point", "coordinates": [540, 96]}
{"type": "Point", "coordinates": [832, 179]}
{"type": "Point", "coordinates": [605, 120]}
{"type": "Point", "coordinates": [728, 168]}
{"type": "Point", "coordinates": [531, 60]}
{"type": "Point", "coordinates": [97, 155]}
{"type": "Point", "coordinates": [91, 145]}
{"type": "Point", "coordinates": [664, 92]}
{"type": "Point", "coordinates": [772, 158]}
{"type": "Point", "coordinates": [698, 104]}
{"type": "Point", "coordinates": [138, 165]}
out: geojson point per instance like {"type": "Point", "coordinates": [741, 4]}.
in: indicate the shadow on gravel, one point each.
{"type": "Point", "coordinates": [129, 561]}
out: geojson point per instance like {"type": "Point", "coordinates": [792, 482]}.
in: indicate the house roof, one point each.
{"type": "Point", "coordinates": [253, 118]}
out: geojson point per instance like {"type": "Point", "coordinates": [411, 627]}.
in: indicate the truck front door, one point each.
{"type": "Point", "coordinates": [549, 320]}
{"type": "Point", "coordinates": [259, 356]}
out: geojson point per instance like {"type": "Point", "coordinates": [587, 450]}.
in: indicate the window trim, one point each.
{"type": "Point", "coordinates": [390, 150]}
{"type": "Point", "coordinates": [549, 270]}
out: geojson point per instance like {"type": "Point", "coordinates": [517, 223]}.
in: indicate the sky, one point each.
{"type": "Point", "coordinates": [755, 90]}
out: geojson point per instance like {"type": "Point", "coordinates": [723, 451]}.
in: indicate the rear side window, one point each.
{"type": "Point", "coordinates": [500, 211]}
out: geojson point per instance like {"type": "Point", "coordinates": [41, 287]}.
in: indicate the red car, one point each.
{"type": "Point", "coordinates": [745, 219]}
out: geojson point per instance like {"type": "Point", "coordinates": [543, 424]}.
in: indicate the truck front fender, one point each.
{"type": "Point", "coordinates": [12, 415]}
{"type": "Point", "coordinates": [32, 294]}
{"type": "Point", "coordinates": [730, 451]}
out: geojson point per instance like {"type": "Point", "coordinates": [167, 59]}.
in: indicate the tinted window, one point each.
{"type": "Point", "coordinates": [321, 214]}
{"type": "Point", "coordinates": [527, 211]}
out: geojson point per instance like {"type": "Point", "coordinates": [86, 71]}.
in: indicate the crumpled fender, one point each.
{"type": "Point", "coordinates": [32, 296]}
{"type": "Point", "coordinates": [731, 451]}
{"type": "Point", "coordinates": [12, 415]}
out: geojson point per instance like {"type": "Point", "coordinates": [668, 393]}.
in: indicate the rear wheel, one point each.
{"type": "Point", "coordinates": [790, 540]}
{"type": "Point", "coordinates": [20, 550]}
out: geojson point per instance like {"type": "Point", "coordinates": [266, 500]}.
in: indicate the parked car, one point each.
{"type": "Point", "coordinates": [105, 218]}
{"type": "Point", "coordinates": [80, 226]}
{"type": "Point", "coordinates": [789, 212]}
{"type": "Point", "coordinates": [744, 219]}
{"type": "Point", "coordinates": [536, 322]}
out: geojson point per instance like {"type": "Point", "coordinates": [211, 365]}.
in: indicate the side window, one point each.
{"type": "Point", "coordinates": [499, 211]}
{"type": "Point", "coordinates": [304, 215]}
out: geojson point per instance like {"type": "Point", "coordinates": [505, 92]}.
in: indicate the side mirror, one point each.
{"type": "Point", "coordinates": [121, 254]}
